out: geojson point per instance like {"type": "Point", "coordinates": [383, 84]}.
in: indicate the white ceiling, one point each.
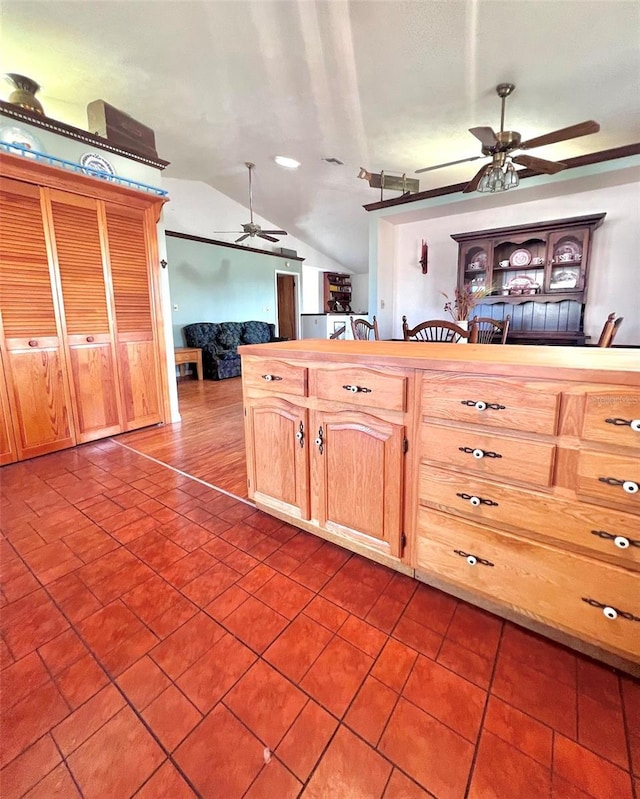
{"type": "Point", "coordinates": [385, 85]}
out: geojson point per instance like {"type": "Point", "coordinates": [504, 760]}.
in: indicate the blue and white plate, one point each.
{"type": "Point", "coordinates": [98, 163]}
{"type": "Point", "coordinates": [23, 139]}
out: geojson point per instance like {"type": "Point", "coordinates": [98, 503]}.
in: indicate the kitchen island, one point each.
{"type": "Point", "coordinates": [507, 476]}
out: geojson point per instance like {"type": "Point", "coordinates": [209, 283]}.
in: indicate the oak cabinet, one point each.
{"type": "Point", "coordinates": [359, 459]}
{"type": "Point", "coordinates": [80, 346]}
{"type": "Point", "coordinates": [504, 468]}
{"type": "Point", "coordinates": [278, 462]}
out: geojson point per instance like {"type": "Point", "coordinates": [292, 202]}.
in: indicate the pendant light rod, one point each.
{"type": "Point", "coordinates": [250, 167]}
{"type": "Point", "coordinates": [503, 90]}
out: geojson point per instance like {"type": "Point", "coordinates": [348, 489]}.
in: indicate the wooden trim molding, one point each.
{"type": "Point", "coordinates": [71, 132]}
{"type": "Point", "coordinates": [35, 172]}
{"type": "Point", "coordinates": [174, 234]}
{"type": "Point", "coordinates": [572, 163]}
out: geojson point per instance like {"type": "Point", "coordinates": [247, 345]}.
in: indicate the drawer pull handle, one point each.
{"type": "Point", "coordinates": [90, 339]}
{"type": "Point", "coordinates": [619, 540]}
{"type": "Point", "coordinates": [634, 424]}
{"type": "Point", "coordinates": [628, 486]}
{"type": "Point", "coordinates": [320, 441]}
{"type": "Point", "coordinates": [300, 435]}
{"type": "Point", "coordinates": [476, 501]}
{"type": "Point", "coordinates": [269, 378]}
{"type": "Point", "coordinates": [33, 342]}
{"type": "Point", "coordinates": [479, 453]}
{"type": "Point", "coordinates": [480, 405]}
{"type": "Point", "coordinates": [473, 560]}
{"type": "Point", "coordinates": [609, 611]}
{"type": "Point", "coordinates": [357, 389]}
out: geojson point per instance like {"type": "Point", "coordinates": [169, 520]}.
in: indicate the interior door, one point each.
{"type": "Point", "coordinates": [87, 315]}
{"type": "Point", "coordinates": [287, 306]}
{"type": "Point", "coordinates": [36, 373]}
{"type": "Point", "coordinates": [134, 322]}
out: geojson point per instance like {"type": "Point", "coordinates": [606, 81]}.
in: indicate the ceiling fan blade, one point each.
{"type": "Point", "coordinates": [242, 238]}
{"type": "Point", "coordinates": [572, 132]}
{"type": "Point", "coordinates": [268, 238]}
{"type": "Point", "coordinates": [486, 135]}
{"type": "Point", "coordinates": [449, 163]}
{"type": "Point", "coordinates": [276, 232]}
{"type": "Point", "coordinates": [472, 185]}
{"type": "Point", "coordinates": [539, 164]}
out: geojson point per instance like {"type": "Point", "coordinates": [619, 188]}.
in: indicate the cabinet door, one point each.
{"type": "Point", "coordinates": [36, 372]}
{"type": "Point", "coordinates": [568, 254]}
{"type": "Point", "coordinates": [135, 323]}
{"type": "Point", "coordinates": [277, 455]}
{"type": "Point", "coordinates": [360, 463]}
{"type": "Point", "coordinates": [87, 318]}
{"type": "Point", "coordinates": [7, 442]}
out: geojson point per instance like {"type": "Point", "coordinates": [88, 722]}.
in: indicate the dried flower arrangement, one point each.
{"type": "Point", "coordinates": [463, 301]}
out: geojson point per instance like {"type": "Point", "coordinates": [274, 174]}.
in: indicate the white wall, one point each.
{"type": "Point", "coordinates": [614, 270]}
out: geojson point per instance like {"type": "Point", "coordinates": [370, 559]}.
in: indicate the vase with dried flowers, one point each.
{"type": "Point", "coordinates": [463, 301]}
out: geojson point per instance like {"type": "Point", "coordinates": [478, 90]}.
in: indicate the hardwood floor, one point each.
{"type": "Point", "coordinates": [209, 441]}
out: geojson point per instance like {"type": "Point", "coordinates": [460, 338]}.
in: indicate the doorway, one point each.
{"type": "Point", "coordinates": [287, 304]}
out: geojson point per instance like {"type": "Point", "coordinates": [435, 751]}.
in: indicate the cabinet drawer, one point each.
{"type": "Point", "coordinates": [482, 453]}
{"type": "Point", "coordinates": [540, 580]}
{"type": "Point", "coordinates": [576, 525]}
{"type": "Point", "coordinates": [362, 387]}
{"type": "Point", "coordinates": [277, 376]}
{"type": "Point", "coordinates": [531, 406]}
{"type": "Point", "coordinates": [612, 477]}
{"type": "Point", "coordinates": [612, 417]}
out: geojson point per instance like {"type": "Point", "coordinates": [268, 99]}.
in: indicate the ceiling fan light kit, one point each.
{"type": "Point", "coordinates": [500, 174]}
{"type": "Point", "coordinates": [286, 162]}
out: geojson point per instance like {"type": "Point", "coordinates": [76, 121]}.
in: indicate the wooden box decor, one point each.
{"type": "Point", "coordinates": [121, 129]}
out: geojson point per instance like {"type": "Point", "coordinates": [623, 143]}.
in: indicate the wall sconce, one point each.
{"type": "Point", "coordinates": [424, 257]}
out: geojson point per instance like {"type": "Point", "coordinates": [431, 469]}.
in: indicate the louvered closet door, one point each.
{"type": "Point", "coordinates": [87, 322]}
{"type": "Point", "coordinates": [137, 354]}
{"type": "Point", "coordinates": [35, 368]}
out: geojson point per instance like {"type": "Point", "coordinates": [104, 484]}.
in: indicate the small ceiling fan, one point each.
{"type": "Point", "coordinates": [500, 146]}
{"type": "Point", "coordinates": [251, 228]}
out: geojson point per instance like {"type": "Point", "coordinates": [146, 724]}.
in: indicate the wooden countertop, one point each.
{"type": "Point", "coordinates": [593, 364]}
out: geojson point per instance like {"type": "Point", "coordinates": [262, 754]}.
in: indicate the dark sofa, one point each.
{"type": "Point", "coordinates": [219, 342]}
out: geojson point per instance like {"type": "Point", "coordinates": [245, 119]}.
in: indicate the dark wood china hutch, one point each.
{"type": "Point", "coordinates": [538, 274]}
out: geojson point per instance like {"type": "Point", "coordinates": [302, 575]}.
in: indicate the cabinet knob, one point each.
{"type": "Point", "coordinates": [628, 486]}
{"type": "Point", "coordinates": [90, 339]}
{"type": "Point", "coordinates": [634, 424]}
{"type": "Point", "coordinates": [609, 611]}
{"type": "Point", "coordinates": [357, 389]}
{"type": "Point", "coordinates": [481, 406]}
{"type": "Point", "coordinates": [621, 542]}
{"type": "Point", "coordinates": [472, 560]}
{"type": "Point", "coordinates": [269, 378]}
{"type": "Point", "coordinates": [476, 501]}
{"type": "Point", "coordinates": [478, 453]}
{"type": "Point", "coordinates": [33, 342]}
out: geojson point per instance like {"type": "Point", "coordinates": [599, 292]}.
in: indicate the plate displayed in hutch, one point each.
{"type": "Point", "coordinates": [520, 258]}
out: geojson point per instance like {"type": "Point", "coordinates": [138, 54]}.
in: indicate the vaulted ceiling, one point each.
{"type": "Point", "coordinates": [384, 85]}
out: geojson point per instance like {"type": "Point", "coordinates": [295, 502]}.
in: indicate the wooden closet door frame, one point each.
{"type": "Point", "coordinates": [83, 201]}
{"type": "Point", "coordinates": [10, 453]}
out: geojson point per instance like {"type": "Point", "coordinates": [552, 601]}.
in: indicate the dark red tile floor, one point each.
{"type": "Point", "coordinates": [158, 636]}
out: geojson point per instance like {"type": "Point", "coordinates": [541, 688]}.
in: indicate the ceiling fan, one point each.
{"type": "Point", "coordinates": [251, 228]}
{"type": "Point", "coordinates": [500, 174]}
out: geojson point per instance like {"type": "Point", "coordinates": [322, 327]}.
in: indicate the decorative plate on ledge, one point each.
{"type": "Point", "coordinates": [97, 162]}
{"type": "Point", "coordinates": [14, 134]}
{"type": "Point", "coordinates": [520, 258]}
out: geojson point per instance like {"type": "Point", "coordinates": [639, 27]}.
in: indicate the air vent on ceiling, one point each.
{"type": "Point", "coordinates": [334, 161]}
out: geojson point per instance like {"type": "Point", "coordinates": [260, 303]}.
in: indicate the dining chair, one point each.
{"type": "Point", "coordinates": [485, 330]}
{"type": "Point", "coordinates": [339, 332]}
{"type": "Point", "coordinates": [362, 329]}
{"type": "Point", "coordinates": [609, 330]}
{"type": "Point", "coordinates": [439, 330]}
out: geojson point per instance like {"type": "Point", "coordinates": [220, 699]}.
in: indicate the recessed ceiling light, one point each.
{"type": "Point", "coordinates": [289, 163]}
